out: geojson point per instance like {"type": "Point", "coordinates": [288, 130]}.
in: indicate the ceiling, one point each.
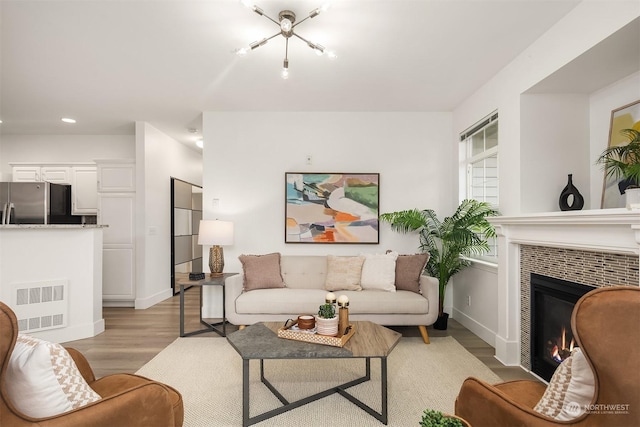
{"type": "Point", "coordinates": [109, 63]}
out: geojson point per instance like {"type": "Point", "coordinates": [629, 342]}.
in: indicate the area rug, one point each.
{"type": "Point", "coordinates": [208, 373]}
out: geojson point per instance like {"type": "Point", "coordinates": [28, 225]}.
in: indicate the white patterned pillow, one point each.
{"type": "Point", "coordinates": [43, 380]}
{"type": "Point", "coordinates": [570, 390]}
{"type": "Point", "coordinates": [379, 272]}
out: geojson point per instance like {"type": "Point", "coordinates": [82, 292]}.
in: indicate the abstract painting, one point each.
{"type": "Point", "coordinates": [625, 117]}
{"type": "Point", "coordinates": [332, 207]}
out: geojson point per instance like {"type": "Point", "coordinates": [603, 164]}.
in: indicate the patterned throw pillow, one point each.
{"type": "Point", "coordinates": [43, 380]}
{"type": "Point", "coordinates": [570, 390]}
{"type": "Point", "coordinates": [343, 273]}
{"type": "Point", "coordinates": [379, 272]}
{"type": "Point", "coordinates": [261, 271]}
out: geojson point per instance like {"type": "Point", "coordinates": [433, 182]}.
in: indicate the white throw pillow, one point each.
{"type": "Point", "coordinates": [570, 390]}
{"type": "Point", "coordinates": [379, 272]}
{"type": "Point", "coordinates": [43, 380]}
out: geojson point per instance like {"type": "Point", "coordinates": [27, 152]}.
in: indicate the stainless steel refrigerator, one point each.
{"type": "Point", "coordinates": [36, 203]}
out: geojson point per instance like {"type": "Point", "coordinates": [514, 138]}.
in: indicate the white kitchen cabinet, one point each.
{"type": "Point", "coordinates": [84, 190]}
{"type": "Point", "coordinates": [116, 176]}
{"type": "Point", "coordinates": [116, 208]}
{"type": "Point", "coordinates": [32, 173]}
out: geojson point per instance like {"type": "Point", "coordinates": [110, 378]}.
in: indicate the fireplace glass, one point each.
{"type": "Point", "coordinates": [551, 335]}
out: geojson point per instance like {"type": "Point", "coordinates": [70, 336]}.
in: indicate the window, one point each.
{"type": "Point", "coordinates": [480, 162]}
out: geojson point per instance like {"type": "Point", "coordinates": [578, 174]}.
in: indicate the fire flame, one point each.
{"type": "Point", "coordinates": [561, 353]}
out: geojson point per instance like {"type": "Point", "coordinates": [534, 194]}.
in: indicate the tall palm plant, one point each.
{"type": "Point", "coordinates": [623, 161]}
{"type": "Point", "coordinates": [448, 241]}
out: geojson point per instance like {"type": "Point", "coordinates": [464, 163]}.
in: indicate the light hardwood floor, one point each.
{"type": "Point", "coordinates": [133, 337]}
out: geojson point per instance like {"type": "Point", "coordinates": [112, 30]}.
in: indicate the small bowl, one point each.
{"type": "Point", "coordinates": [306, 321]}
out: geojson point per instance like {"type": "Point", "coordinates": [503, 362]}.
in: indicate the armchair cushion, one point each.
{"type": "Point", "coordinates": [43, 380]}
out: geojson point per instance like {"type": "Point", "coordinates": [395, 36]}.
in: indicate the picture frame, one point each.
{"type": "Point", "coordinates": [325, 208]}
{"type": "Point", "coordinates": [625, 117]}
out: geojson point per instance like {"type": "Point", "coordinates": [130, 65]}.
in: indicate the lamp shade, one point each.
{"type": "Point", "coordinates": [215, 233]}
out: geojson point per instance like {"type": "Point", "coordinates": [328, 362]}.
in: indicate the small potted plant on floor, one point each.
{"type": "Point", "coordinates": [448, 241]}
{"type": "Point", "coordinates": [622, 162]}
{"type": "Point", "coordinates": [326, 320]}
{"type": "Point", "coordinates": [431, 418]}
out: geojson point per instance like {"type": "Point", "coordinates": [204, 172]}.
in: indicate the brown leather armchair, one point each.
{"type": "Point", "coordinates": [127, 400]}
{"type": "Point", "coordinates": [606, 325]}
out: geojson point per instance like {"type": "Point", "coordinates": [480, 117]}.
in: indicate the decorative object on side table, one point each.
{"type": "Point", "coordinates": [570, 197]}
{"type": "Point", "coordinates": [462, 234]}
{"type": "Point", "coordinates": [621, 163]}
{"type": "Point", "coordinates": [216, 233]}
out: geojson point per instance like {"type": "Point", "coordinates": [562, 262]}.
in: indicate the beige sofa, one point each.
{"type": "Point", "coordinates": [304, 277]}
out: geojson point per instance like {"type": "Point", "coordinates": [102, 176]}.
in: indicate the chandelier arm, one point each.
{"type": "Point", "coordinates": [300, 22]}
{"type": "Point", "coordinates": [312, 45]}
{"type": "Point", "coordinates": [271, 19]}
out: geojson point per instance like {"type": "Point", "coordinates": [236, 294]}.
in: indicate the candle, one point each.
{"type": "Point", "coordinates": [330, 298]}
{"type": "Point", "coordinates": [343, 300]}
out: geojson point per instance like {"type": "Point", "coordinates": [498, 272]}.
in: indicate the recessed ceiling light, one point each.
{"type": "Point", "coordinates": [0, 121]}
{"type": "Point", "coordinates": [68, 120]}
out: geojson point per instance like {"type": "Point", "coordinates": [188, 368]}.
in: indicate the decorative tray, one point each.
{"type": "Point", "coordinates": [292, 332]}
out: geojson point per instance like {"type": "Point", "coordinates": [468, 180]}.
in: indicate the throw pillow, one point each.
{"type": "Point", "coordinates": [261, 271]}
{"type": "Point", "coordinates": [343, 273]}
{"type": "Point", "coordinates": [409, 268]}
{"type": "Point", "coordinates": [570, 390]}
{"type": "Point", "coordinates": [43, 380]}
{"type": "Point", "coordinates": [379, 271]}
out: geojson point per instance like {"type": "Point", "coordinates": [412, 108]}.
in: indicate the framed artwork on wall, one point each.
{"type": "Point", "coordinates": [332, 207]}
{"type": "Point", "coordinates": [625, 117]}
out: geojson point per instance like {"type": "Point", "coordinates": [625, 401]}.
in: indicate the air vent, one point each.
{"type": "Point", "coordinates": [41, 306]}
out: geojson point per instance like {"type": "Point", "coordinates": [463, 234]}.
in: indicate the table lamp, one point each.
{"type": "Point", "coordinates": [216, 233]}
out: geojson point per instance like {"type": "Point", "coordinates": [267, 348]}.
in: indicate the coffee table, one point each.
{"type": "Point", "coordinates": [260, 342]}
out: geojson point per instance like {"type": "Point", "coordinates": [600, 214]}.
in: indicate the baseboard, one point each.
{"type": "Point", "coordinates": [486, 334]}
{"type": "Point", "coordinates": [144, 303]}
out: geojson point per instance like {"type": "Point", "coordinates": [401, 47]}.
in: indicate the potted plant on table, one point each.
{"type": "Point", "coordinates": [326, 320]}
{"type": "Point", "coordinates": [448, 241]}
{"type": "Point", "coordinates": [623, 162]}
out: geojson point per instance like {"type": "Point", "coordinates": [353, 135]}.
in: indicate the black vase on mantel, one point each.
{"type": "Point", "coordinates": [571, 193]}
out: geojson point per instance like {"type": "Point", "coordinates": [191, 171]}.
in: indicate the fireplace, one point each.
{"type": "Point", "coordinates": [552, 340]}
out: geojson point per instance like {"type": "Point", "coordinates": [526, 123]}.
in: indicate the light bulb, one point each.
{"type": "Point", "coordinates": [325, 7]}
{"type": "Point", "coordinates": [199, 142]}
{"type": "Point", "coordinates": [246, 3]}
{"type": "Point", "coordinates": [285, 73]}
{"type": "Point", "coordinates": [331, 54]}
{"type": "Point", "coordinates": [286, 25]}
{"type": "Point", "coordinates": [318, 52]}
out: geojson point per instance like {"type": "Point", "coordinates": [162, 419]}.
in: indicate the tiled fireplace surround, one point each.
{"type": "Point", "coordinates": [596, 248]}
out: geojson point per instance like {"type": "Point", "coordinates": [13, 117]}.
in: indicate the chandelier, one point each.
{"type": "Point", "coordinates": [287, 23]}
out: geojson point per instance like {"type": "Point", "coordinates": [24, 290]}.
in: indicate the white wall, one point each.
{"type": "Point", "coordinates": [527, 178]}
{"type": "Point", "coordinates": [158, 159]}
{"type": "Point", "coordinates": [62, 148]}
{"type": "Point", "coordinates": [246, 156]}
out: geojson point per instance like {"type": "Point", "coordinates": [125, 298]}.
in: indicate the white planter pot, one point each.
{"type": "Point", "coordinates": [327, 327]}
{"type": "Point", "coordinates": [632, 196]}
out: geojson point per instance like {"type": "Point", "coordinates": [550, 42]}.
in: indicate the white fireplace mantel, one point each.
{"type": "Point", "coordinates": [604, 230]}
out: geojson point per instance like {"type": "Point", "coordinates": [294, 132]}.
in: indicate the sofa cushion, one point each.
{"type": "Point", "coordinates": [379, 272]}
{"type": "Point", "coordinates": [570, 390]}
{"type": "Point", "coordinates": [409, 268]}
{"type": "Point", "coordinates": [261, 271]}
{"type": "Point", "coordinates": [293, 302]}
{"type": "Point", "coordinates": [42, 380]}
{"type": "Point", "coordinates": [343, 273]}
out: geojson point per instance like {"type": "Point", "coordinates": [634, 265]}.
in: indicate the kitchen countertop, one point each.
{"type": "Point", "coordinates": [48, 226]}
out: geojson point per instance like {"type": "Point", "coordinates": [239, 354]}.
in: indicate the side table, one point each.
{"type": "Point", "coordinates": [210, 327]}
